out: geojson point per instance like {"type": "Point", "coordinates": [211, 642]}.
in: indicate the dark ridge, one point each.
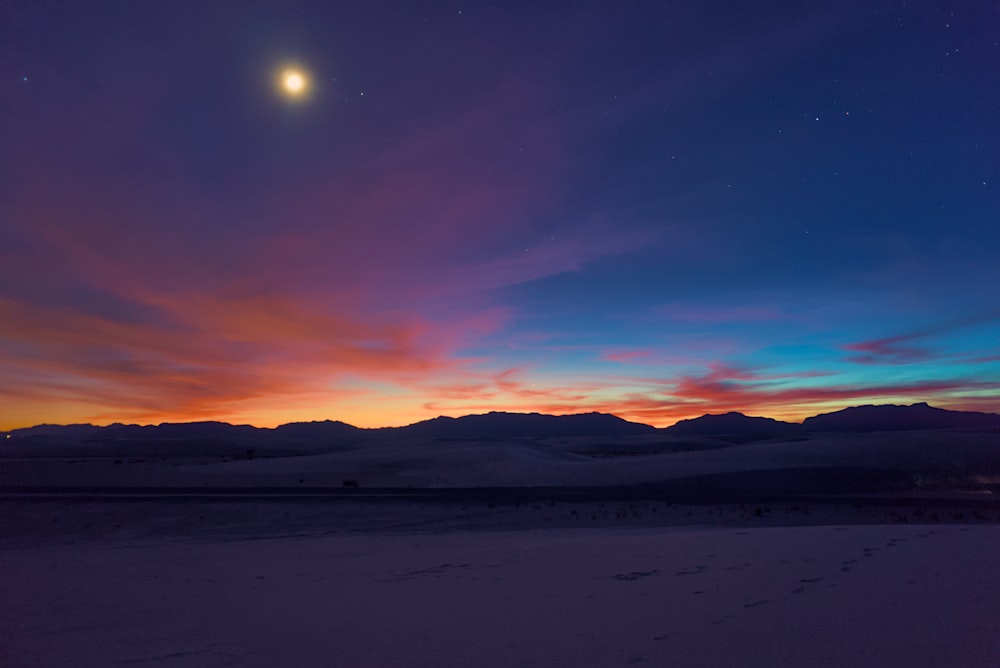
{"type": "Point", "coordinates": [735, 428]}
{"type": "Point", "coordinates": [317, 430]}
{"type": "Point", "coordinates": [497, 425]}
{"type": "Point", "coordinates": [891, 417]}
{"type": "Point", "coordinates": [69, 431]}
{"type": "Point", "coordinates": [308, 436]}
{"type": "Point", "coordinates": [177, 430]}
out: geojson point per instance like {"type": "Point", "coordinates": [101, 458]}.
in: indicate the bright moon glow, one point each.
{"type": "Point", "coordinates": [294, 82]}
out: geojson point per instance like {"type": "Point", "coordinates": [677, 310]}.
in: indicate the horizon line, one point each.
{"type": "Point", "coordinates": [493, 412]}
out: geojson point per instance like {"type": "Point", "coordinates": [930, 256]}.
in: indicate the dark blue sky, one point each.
{"type": "Point", "coordinates": [652, 209]}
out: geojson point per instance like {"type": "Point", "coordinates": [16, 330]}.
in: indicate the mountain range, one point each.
{"type": "Point", "coordinates": [733, 427]}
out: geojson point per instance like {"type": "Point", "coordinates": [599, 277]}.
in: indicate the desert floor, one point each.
{"type": "Point", "coordinates": [391, 583]}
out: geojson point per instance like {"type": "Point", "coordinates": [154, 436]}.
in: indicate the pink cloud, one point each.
{"type": "Point", "coordinates": [890, 350]}
{"type": "Point", "coordinates": [898, 349]}
{"type": "Point", "coordinates": [679, 350]}
{"type": "Point", "coordinates": [158, 302]}
{"type": "Point", "coordinates": [215, 358]}
{"type": "Point", "coordinates": [983, 404]}
{"type": "Point", "coordinates": [706, 314]}
{"type": "Point", "coordinates": [641, 356]}
{"type": "Point", "coordinates": [721, 388]}
{"type": "Point", "coordinates": [692, 398]}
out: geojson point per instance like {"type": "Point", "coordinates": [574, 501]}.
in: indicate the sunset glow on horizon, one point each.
{"type": "Point", "coordinates": [656, 214]}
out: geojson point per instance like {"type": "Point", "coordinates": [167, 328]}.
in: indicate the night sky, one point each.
{"type": "Point", "coordinates": [653, 209]}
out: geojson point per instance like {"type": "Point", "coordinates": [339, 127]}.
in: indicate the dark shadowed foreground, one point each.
{"type": "Point", "coordinates": [833, 595]}
{"type": "Point", "coordinates": [854, 549]}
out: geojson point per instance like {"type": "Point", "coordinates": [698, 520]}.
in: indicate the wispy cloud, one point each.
{"type": "Point", "coordinates": [160, 302]}
{"type": "Point", "coordinates": [717, 314]}
{"type": "Point", "coordinates": [905, 348]}
{"type": "Point", "coordinates": [216, 357]}
{"type": "Point", "coordinates": [718, 389]}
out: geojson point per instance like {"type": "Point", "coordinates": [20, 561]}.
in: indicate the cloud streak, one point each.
{"type": "Point", "coordinates": [519, 227]}
{"type": "Point", "coordinates": [184, 306]}
{"type": "Point", "coordinates": [721, 388]}
{"type": "Point", "coordinates": [901, 349]}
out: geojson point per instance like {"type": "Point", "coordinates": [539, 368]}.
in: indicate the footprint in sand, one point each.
{"type": "Point", "coordinates": [635, 575]}
{"type": "Point", "coordinates": [436, 570]}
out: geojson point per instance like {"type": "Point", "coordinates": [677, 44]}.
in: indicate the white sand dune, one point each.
{"type": "Point", "coordinates": [429, 463]}
{"type": "Point", "coordinates": [188, 582]}
{"type": "Point", "coordinates": [491, 463]}
{"type": "Point", "coordinates": [859, 596]}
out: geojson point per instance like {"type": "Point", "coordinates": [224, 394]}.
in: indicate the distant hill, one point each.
{"type": "Point", "coordinates": [735, 428]}
{"type": "Point", "coordinates": [497, 425]}
{"type": "Point", "coordinates": [181, 439]}
{"type": "Point", "coordinates": [65, 431]}
{"type": "Point", "coordinates": [317, 430]}
{"type": "Point", "coordinates": [310, 437]}
{"type": "Point", "coordinates": [221, 437]}
{"type": "Point", "coordinates": [898, 418]}
{"type": "Point", "coordinates": [176, 431]}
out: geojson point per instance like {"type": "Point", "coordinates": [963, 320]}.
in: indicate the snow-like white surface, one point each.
{"type": "Point", "coordinates": [419, 463]}
{"type": "Point", "coordinates": [180, 582]}
{"type": "Point", "coordinates": [859, 596]}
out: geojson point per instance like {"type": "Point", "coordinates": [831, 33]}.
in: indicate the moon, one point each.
{"type": "Point", "coordinates": [294, 82]}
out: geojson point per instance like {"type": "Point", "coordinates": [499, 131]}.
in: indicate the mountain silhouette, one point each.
{"type": "Point", "coordinates": [890, 417]}
{"type": "Point", "coordinates": [732, 427]}
{"type": "Point", "coordinates": [735, 428]}
{"type": "Point", "coordinates": [177, 430]}
{"type": "Point", "coordinates": [325, 429]}
{"type": "Point", "coordinates": [497, 425]}
{"type": "Point", "coordinates": [60, 431]}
